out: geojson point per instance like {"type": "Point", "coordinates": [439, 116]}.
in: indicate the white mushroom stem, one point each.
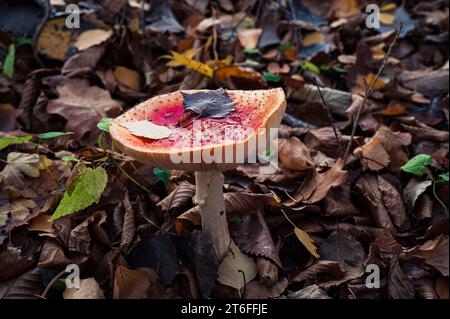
{"type": "Point", "coordinates": [209, 197]}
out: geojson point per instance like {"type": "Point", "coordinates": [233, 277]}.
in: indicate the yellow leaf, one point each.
{"type": "Point", "coordinates": [387, 18]}
{"type": "Point", "coordinates": [304, 238]}
{"type": "Point", "coordinates": [185, 60]}
{"type": "Point", "coordinates": [54, 40]}
{"type": "Point", "coordinates": [389, 7]}
{"type": "Point", "coordinates": [370, 78]}
{"type": "Point", "coordinates": [128, 77]}
{"type": "Point", "coordinates": [313, 38]}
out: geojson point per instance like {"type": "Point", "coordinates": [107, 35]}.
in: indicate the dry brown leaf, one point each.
{"type": "Point", "coordinates": [92, 37]}
{"type": "Point", "coordinates": [373, 155]}
{"type": "Point", "coordinates": [345, 8]}
{"type": "Point", "coordinates": [259, 290]}
{"type": "Point", "coordinates": [128, 77]}
{"type": "Point", "coordinates": [433, 253]}
{"type": "Point", "coordinates": [293, 154]}
{"type": "Point", "coordinates": [313, 38]}
{"type": "Point", "coordinates": [236, 269]}
{"type": "Point", "coordinates": [83, 114]}
{"type": "Point", "coordinates": [141, 283]}
{"type": "Point", "coordinates": [318, 186]}
{"type": "Point", "coordinates": [89, 289]}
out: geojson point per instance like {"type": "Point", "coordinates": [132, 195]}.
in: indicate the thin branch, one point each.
{"type": "Point", "coordinates": [330, 118]}
{"type": "Point", "coordinates": [369, 92]}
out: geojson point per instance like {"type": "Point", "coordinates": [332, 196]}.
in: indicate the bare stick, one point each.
{"type": "Point", "coordinates": [369, 92]}
{"type": "Point", "coordinates": [330, 118]}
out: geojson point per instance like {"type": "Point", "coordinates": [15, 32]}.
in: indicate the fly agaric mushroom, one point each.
{"type": "Point", "coordinates": [206, 131]}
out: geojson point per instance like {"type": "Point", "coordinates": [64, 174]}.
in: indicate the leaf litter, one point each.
{"type": "Point", "coordinates": [68, 196]}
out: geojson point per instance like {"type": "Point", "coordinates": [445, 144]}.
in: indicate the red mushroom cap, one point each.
{"type": "Point", "coordinates": [254, 112]}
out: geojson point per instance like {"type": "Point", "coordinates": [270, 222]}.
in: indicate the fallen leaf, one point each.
{"type": "Point", "coordinates": [85, 190]}
{"type": "Point", "coordinates": [147, 129]}
{"type": "Point", "coordinates": [141, 283]}
{"type": "Point", "coordinates": [128, 77]}
{"type": "Point", "coordinates": [293, 154]}
{"type": "Point", "coordinates": [54, 39]}
{"type": "Point", "coordinates": [304, 238]}
{"type": "Point", "coordinates": [414, 189]}
{"type": "Point", "coordinates": [313, 38]}
{"type": "Point", "coordinates": [236, 269]}
{"type": "Point", "coordinates": [158, 253]}
{"type": "Point", "coordinates": [212, 104]}
{"type": "Point", "coordinates": [399, 285]}
{"type": "Point", "coordinates": [310, 292]}
{"type": "Point", "coordinates": [197, 66]}
{"type": "Point", "coordinates": [92, 37]}
{"type": "Point", "coordinates": [249, 38]}
{"type": "Point", "coordinates": [162, 19]}
{"type": "Point", "coordinates": [83, 114]}
{"type": "Point", "coordinates": [18, 166]}
{"type": "Point", "coordinates": [433, 253]}
{"type": "Point", "coordinates": [253, 237]}
{"type": "Point", "coordinates": [26, 286]}
{"type": "Point", "coordinates": [258, 290]}
{"type": "Point", "coordinates": [346, 250]}
{"type": "Point", "coordinates": [387, 18]}
{"type": "Point", "coordinates": [178, 198]}
{"type": "Point", "coordinates": [320, 184]}
{"type": "Point", "coordinates": [373, 155]}
{"type": "Point", "coordinates": [89, 289]}
{"type": "Point", "coordinates": [344, 8]}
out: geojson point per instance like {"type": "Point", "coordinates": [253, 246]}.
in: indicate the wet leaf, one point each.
{"type": "Point", "coordinates": [212, 104]}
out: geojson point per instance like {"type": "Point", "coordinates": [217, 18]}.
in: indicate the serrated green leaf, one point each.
{"type": "Point", "coordinates": [308, 66]}
{"type": "Point", "coordinates": [163, 174]}
{"type": "Point", "coordinates": [418, 164]}
{"type": "Point", "coordinates": [6, 141]}
{"type": "Point", "coordinates": [8, 64]}
{"type": "Point", "coordinates": [85, 190]}
{"type": "Point", "coordinates": [49, 135]}
{"type": "Point", "coordinates": [443, 177]}
{"type": "Point", "coordinates": [271, 77]}
{"type": "Point", "coordinates": [104, 124]}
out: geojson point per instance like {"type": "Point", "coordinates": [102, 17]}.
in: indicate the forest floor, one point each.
{"type": "Point", "coordinates": [358, 205]}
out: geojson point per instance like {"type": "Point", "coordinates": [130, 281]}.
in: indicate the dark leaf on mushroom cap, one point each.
{"type": "Point", "coordinates": [213, 104]}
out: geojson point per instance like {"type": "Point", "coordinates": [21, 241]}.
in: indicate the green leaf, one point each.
{"type": "Point", "coordinates": [85, 190]}
{"type": "Point", "coordinates": [8, 65]}
{"type": "Point", "coordinates": [251, 51]}
{"type": "Point", "coordinates": [163, 174]}
{"type": "Point", "coordinates": [443, 177]}
{"type": "Point", "coordinates": [23, 41]}
{"type": "Point", "coordinates": [418, 164]}
{"type": "Point", "coordinates": [271, 77]}
{"type": "Point", "coordinates": [68, 159]}
{"type": "Point", "coordinates": [285, 46]}
{"type": "Point", "coordinates": [308, 66]}
{"type": "Point", "coordinates": [104, 124]}
{"type": "Point", "coordinates": [101, 141]}
{"type": "Point", "coordinates": [6, 141]}
{"type": "Point", "coordinates": [49, 135]}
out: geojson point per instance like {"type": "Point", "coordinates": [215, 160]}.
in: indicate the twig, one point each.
{"type": "Point", "coordinates": [369, 92]}
{"type": "Point", "coordinates": [51, 283]}
{"type": "Point", "coordinates": [330, 118]}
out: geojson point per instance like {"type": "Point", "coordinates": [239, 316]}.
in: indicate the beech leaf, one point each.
{"type": "Point", "coordinates": [148, 129]}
